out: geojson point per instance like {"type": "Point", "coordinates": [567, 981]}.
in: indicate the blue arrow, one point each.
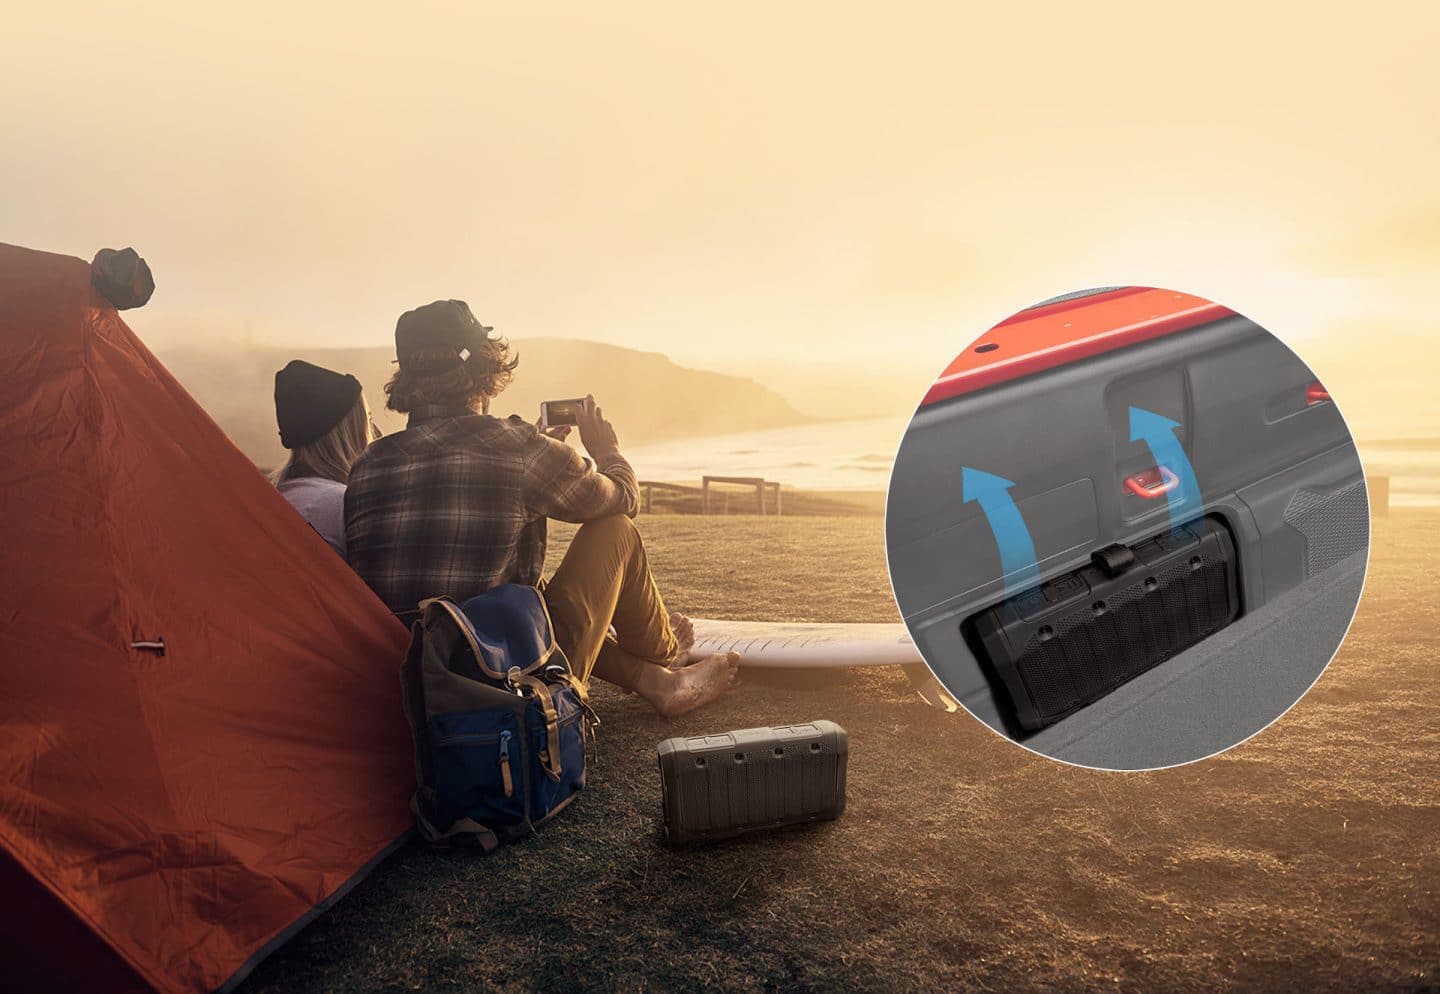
{"type": "Point", "coordinates": [1158, 432]}
{"type": "Point", "coordinates": [1012, 537]}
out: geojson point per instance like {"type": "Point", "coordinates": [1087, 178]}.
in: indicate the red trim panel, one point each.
{"type": "Point", "coordinates": [1074, 303]}
{"type": "Point", "coordinates": [1055, 334]}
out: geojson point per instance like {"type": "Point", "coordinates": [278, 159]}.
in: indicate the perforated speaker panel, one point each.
{"type": "Point", "coordinates": [1335, 525]}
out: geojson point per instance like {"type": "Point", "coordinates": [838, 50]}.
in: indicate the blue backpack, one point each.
{"type": "Point", "coordinates": [499, 722]}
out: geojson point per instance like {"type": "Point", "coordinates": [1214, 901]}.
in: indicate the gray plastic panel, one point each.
{"type": "Point", "coordinates": [1284, 507]}
{"type": "Point", "coordinates": [1223, 690]}
{"type": "Point", "coordinates": [1062, 436]}
{"type": "Point", "coordinates": [962, 559]}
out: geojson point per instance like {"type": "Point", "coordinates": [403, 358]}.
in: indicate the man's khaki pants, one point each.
{"type": "Point", "coordinates": [605, 580]}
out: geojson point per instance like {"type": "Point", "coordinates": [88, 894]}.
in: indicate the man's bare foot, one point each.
{"type": "Point", "coordinates": [685, 637]}
{"type": "Point", "coordinates": [695, 685]}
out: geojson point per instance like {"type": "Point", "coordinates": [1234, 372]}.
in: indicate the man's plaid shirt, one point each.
{"type": "Point", "coordinates": [457, 503]}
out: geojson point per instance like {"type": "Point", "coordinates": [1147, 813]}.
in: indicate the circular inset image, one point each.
{"type": "Point", "coordinates": [1127, 528]}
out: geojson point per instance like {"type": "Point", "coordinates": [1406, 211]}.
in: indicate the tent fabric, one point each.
{"type": "Point", "coordinates": [182, 810]}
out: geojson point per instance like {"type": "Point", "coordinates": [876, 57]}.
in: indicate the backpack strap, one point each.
{"type": "Point", "coordinates": [465, 831]}
{"type": "Point", "coordinates": [575, 683]}
{"type": "Point", "coordinates": [550, 762]}
{"type": "Point", "coordinates": [462, 623]}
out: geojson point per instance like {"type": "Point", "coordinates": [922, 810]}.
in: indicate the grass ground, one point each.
{"type": "Point", "coordinates": [1303, 860]}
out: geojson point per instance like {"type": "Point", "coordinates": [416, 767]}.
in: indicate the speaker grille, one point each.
{"type": "Point", "coordinates": [1335, 525]}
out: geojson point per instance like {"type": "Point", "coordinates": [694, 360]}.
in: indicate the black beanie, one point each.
{"type": "Point", "coordinates": [310, 400]}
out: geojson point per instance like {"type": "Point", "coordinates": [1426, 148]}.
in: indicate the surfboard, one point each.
{"type": "Point", "coordinates": [787, 645]}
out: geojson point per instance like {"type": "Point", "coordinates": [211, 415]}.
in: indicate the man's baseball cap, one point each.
{"type": "Point", "coordinates": [442, 324]}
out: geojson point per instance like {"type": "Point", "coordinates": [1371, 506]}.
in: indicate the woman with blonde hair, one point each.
{"type": "Point", "coordinates": [325, 423]}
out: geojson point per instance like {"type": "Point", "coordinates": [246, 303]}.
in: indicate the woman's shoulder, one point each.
{"type": "Point", "coordinates": [321, 502]}
{"type": "Point", "coordinates": [313, 486]}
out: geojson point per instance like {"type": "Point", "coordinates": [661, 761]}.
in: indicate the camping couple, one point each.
{"type": "Point", "coordinates": [457, 503]}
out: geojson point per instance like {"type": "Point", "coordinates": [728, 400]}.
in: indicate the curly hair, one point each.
{"type": "Point", "coordinates": [471, 383]}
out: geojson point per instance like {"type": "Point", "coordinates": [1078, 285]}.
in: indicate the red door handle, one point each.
{"type": "Point", "coordinates": [1154, 482]}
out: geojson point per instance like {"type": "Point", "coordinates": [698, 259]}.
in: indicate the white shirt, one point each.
{"type": "Point", "coordinates": [321, 502]}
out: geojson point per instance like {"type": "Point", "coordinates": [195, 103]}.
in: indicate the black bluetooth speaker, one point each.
{"type": "Point", "coordinates": [1070, 641]}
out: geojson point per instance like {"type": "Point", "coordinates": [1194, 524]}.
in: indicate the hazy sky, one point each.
{"type": "Point", "coordinates": [728, 181]}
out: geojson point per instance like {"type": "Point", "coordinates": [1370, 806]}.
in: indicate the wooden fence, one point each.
{"type": "Point", "coordinates": [713, 499]}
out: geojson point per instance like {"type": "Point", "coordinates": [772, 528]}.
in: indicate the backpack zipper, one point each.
{"type": "Point", "coordinates": [505, 777]}
{"type": "Point", "coordinates": [486, 738]}
{"type": "Point", "coordinates": [469, 738]}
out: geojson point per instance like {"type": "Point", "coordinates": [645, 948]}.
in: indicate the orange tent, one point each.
{"type": "Point", "coordinates": [167, 819]}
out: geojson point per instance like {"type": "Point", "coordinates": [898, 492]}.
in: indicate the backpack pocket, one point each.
{"type": "Point", "coordinates": [547, 795]}
{"type": "Point", "coordinates": [478, 771]}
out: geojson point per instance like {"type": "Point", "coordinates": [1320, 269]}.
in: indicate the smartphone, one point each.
{"type": "Point", "coordinates": [555, 413]}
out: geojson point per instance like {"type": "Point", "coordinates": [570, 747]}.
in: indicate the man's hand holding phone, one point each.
{"type": "Point", "coordinates": [596, 433]}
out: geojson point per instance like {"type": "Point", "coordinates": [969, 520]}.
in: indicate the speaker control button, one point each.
{"type": "Point", "coordinates": [1065, 587]}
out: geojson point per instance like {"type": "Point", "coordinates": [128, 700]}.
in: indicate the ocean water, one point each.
{"type": "Point", "coordinates": [856, 455]}
{"type": "Point", "coordinates": [826, 455]}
